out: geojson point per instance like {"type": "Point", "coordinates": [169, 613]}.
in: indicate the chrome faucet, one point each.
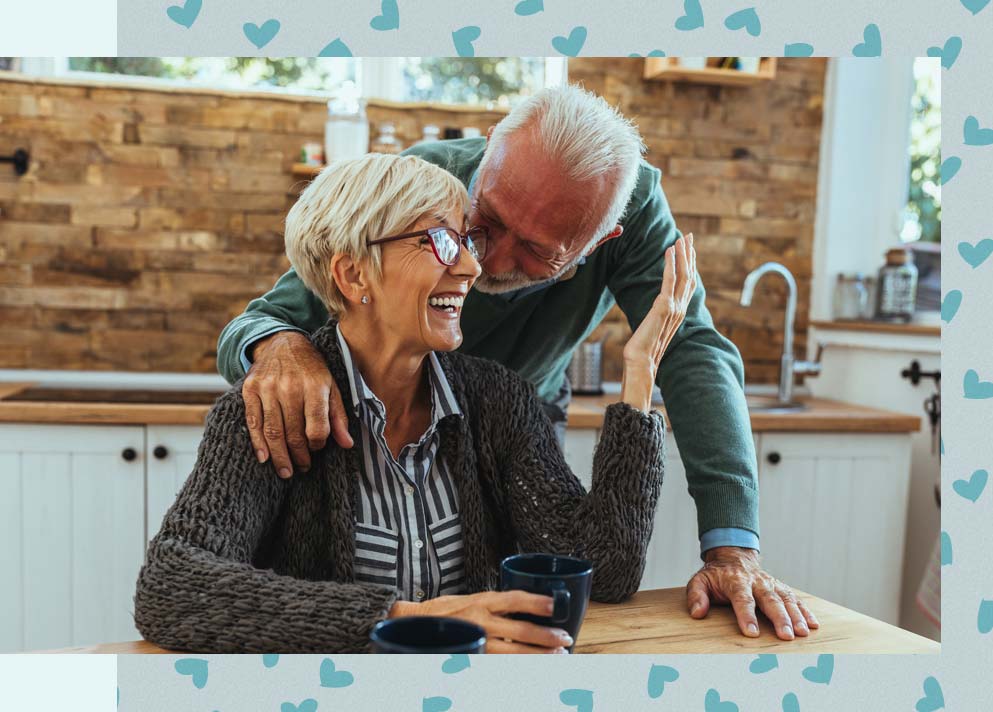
{"type": "Point", "coordinates": [788, 367]}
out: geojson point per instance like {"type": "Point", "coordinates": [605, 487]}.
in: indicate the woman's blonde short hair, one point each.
{"type": "Point", "coordinates": [353, 201]}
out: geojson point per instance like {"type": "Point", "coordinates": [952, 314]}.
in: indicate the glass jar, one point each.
{"type": "Point", "coordinates": [897, 288]}
{"type": "Point", "coordinates": [851, 297]}
{"type": "Point", "coordinates": [386, 141]}
{"type": "Point", "coordinates": [346, 133]}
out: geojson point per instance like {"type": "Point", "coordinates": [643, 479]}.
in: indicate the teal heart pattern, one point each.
{"type": "Point", "coordinates": [975, 389]}
{"type": "Point", "coordinates": [196, 668]}
{"type": "Point", "coordinates": [871, 44]}
{"type": "Point", "coordinates": [308, 705]}
{"type": "Point", "coordinates": [972, 488]}
{"type": "Point", "coordinates": [570, 45]}
{"type": "Point", "coordinates": [790, 703]}
{"type": "Point", "coordinates": [582, 700]}
{"type": "Point", "coordinates": [946, 549]}
{"type": "Point", "coordinates": [389, 17]}
{"type": "Point", "coordinates": [658, 676]}
{"type": "Point", "coordinates": [984, 621]}
{"type": "Point", "coordinates": [270, 659]}
{"type": "Point", "coordinates": [463, 39]}
{"type": "Point", "coordinates": [975, 6]}
{"type": "Point", "coordinates": [948, 52]}
{"type": "Point", "coordinates": [335, 48]}
{"type": "Point", "coordinates": [330, 677]}
{"type": "Point", "coordinates": [712, 703]}
{"type": "Point", "coordinates": [933, 698]}
{"type": "Point", "coordinates": [653, 53]}
{"type": "Point", "coordinates": [975, 255]}
{"type": "Point", "coordinates": [436, 704]}
{"type": "Point", "coordinates": [763, 663]}
{"type": "Point", "coordinates": [187, 14]}
{"type": "Point", "coordinates": [974, 135]}
{"type": "Point", "coordinates": [692, 17]}
{"type": "Point", "coordinates": [949, 167]}
{"type": "Point", "coordinates": [950, 305]}
{"type": "Point", "coordinates": [798, 49]}
{"type": "Point", "coordinates": [529, 7]}
{"type": "Point", "coordinates": [455, 663]}
{"type": "Point", "coordinates": [746, 19]}
{"type": "Point", "coordinates": [261, 35]}
{"type": "Point", "coordinates": [821, 672]}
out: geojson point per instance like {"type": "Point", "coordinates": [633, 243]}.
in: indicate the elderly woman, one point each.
{"type": "Point", "coordinates": [455, 466]}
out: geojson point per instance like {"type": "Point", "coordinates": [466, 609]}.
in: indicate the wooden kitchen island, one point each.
{"type": "Point", "coordinates": [656, 622]}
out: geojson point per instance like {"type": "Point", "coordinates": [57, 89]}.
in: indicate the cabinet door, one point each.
{"type": "Point", "coordinates": [833, 516]}
{"type": "Point", "coordinates": [172, 453]}
{"type": "Point", "coordinates": [71, 526]}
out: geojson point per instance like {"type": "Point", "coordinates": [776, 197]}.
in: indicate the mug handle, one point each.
{"type": "Point", "coordinates": [560, 606]}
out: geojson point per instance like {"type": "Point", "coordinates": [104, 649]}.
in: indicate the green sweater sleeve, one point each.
{"type": "Point", "coordinates": [288, 305]}
{"type": "Point", "coordinates": [701, 375]}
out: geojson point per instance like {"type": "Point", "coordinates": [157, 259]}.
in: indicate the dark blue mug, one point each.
{"type": "Point", "coordinates": [566, 579]}
{"type": "Point", "coordinates": [427, 634]}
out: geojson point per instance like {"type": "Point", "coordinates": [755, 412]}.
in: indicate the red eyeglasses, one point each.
{"type": "Point", "coordinates": [446, 242]}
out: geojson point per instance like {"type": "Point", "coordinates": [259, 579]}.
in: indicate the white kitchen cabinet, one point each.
{"type": "Point", "coordinates": [172, 453]}
{"type": "Point", "coordinates": [71, 533]}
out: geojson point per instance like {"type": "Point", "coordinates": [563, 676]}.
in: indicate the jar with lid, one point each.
{"type": "Point", "coordinates": [386, 141]}
{"type": "Point", "coordinates": [897, 288]}
{"type": "Point", "coordinates": [431, 133]}
{"type": "Point", "coordinates": [346, 133]}
{"type": "Point", "coordinates": [851, 296]}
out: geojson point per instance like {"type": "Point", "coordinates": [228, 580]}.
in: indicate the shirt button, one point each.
{"type": "Point", "coordinates": [418, 543]}
{"type": "Point", "coordinates": [410, 490]}
{"type": "Point", "coordinates": [419, 593]}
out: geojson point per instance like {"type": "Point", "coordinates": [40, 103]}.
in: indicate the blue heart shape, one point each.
{"type": "Point", "coordinates": [582, 700]}
{"type": "Point", "coordinates": [196, 668]}
{"type": "Point", "coordinates": [658, 676]}
{"type": "Point", "coordinates": [335, 48]}
{"type": "Point", "coordinates": [946, 549]}
{"type": "Point", "coordinates": [822, 671]}
{"type": "Point", "coordinates": [712, 703]}
{"type": "Point", "coordinates": [790, 703]}
{"type": "Point", "coordinates": [949, 167]}
{"type": "Point", "coordinates": [455, 663]}
{"type": "Point", "coordinates": [798, 49]}
{"type": "Point", "coordinates": [933, 699]}
{"type": "Point", "coordinates": [974, 389]}
{"type": "Point", "coordinates": [308, 705]}
{"type": "Point", "coordinates": [763, 663]}
{"type": "Point", "coordinates": [332, 678]}
{"type": "Point", "coordinates": [950, 305]}
{"type": "Point", "coordinates": [270, 659]}
{"type": "Point", "coordinates": [570, 46]}
{"type": "Point", "coordinates": [948, 52]}
{"type": "Point", "coordinates": [261, 36]}
{"type": "Point", "coordinates": [973, 487]}
{"type": "Point", "coordinates": [984, 621]}
{"type": "Point", "coordinates": [692, 18]}
{"type": "Point", "coordinates": [653, 53]}
{"type": "Point", "coordinates": [185, 15]}
{"type": "Point", "coordinates": [529, 7]}
{"type": "Point", "coordinates": [975, 136]}
{"type": "Point", "coordinates": [389, 19]}
{"type": "Point", "coordinates": [974, 6]}
{"type": "Point", "coordinates": [436, 704]}
{"type": "Point", "coordinates": [463, 39]}
{"type": "Point", "coordinates": [872, 43]}
{"type": "Point", "coordinates": [747, 19]}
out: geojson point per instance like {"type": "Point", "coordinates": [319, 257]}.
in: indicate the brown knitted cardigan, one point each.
{"type": "Point", "coordinates": [248, 562]}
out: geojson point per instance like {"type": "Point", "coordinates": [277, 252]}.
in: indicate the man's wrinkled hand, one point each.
{"type": "Point", "coordinates": [733, 575]}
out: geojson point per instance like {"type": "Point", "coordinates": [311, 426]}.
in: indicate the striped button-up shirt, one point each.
{"type": "Point", "coordinates": [407, 528]}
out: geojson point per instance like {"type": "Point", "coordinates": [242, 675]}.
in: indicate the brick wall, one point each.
{"type": "Point", "coordinates": [149, 218]}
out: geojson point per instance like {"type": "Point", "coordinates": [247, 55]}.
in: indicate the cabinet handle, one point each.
{"type": "Point", "coordinates": [160, 452]}
{"type": "Point", "coordinates": [129, 454]}
{"type": "Point", "coordinates": [773, 458]}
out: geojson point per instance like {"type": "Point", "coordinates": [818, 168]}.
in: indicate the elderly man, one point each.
{"type": "Point", "coordinates": [577, 221]}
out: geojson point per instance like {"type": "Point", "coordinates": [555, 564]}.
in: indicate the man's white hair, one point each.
{"type": "Point", "coordinates": [588, 137]}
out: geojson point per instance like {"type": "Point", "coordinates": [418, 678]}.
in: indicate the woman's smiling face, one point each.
{"type": "Point", "coordinates": [417, 299]}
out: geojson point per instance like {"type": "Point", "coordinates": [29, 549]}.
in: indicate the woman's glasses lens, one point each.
{"type": "Point", "coordinates": [447, 243]}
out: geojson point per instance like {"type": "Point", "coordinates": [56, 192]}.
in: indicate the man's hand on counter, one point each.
{"type": "Point", "coordinates": [733, 575]}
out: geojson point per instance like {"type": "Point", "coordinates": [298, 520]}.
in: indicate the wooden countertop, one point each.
{"type": "Point", "coordinates": [881, 327]}
{"type": "Point", "coordinates": [584, 412]}
{"type": "Point", "coordinates": [657, 622]}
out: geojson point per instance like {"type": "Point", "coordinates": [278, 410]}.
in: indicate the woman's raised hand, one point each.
{"type": "Point", "coordinates": [487, 610]}
{"type": "Point", "coordinates": [643, 351]}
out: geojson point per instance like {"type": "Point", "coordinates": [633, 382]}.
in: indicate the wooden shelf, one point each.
{"type": "Point", "coordinates": [305, 171]}
{"type": "Point", "coordinates": [879, 327]}
{"type": "Point", "coordinates": [670, 69]}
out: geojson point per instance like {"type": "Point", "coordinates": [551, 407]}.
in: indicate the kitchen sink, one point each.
{"type": "Point", "coordinates": [771, 404]}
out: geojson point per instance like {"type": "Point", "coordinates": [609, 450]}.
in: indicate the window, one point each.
{"type": "Point", "coordinates": [498, 81]}
{"type": "Point", "coordinates": [922, 215]}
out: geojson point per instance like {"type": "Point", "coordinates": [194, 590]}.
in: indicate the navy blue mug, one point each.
{"type": "Point", "coordinates": [427, 634]}
{"type": "Point", "coordinates": [566, 579]}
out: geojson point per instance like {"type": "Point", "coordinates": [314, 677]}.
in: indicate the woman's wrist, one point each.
{"type": "Point", "coordinates": [401, 608]}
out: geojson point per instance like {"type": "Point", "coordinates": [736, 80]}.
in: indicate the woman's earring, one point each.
{"type": "Point", "coordinates": [365, 299]}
